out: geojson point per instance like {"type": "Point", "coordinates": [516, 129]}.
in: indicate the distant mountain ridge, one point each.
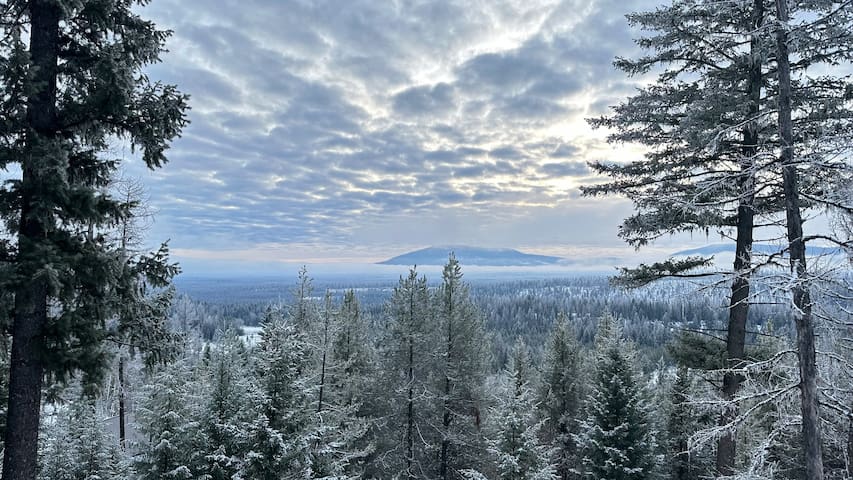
{"type": "Point", "coordinates": [487, 257]}
{"type": "Point", "coordinates": [758, 248]}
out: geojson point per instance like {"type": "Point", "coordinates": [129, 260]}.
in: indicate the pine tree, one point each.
{"type": "Point", "coordinates": [168, 416]}
{"type": "Point", "coordinates": [561, 397]}
{"type": "Point", "coordinates": [708, 122]}
{"type": "Point", "coordinates": [351, 350]}
{"type": "Point", "coordinates": [283, 364]}
{"type": "Point", "coordinates": [72, 81]}
{"type": "Point", "coordinates": [683, 421]}
{"type": "Point", "coordinates": [462, 346]}
{"type": "Point", "coordinates": [77, 447]}
{"type": "Point", "coordinates": [227, 409]}
{"type": "Point", "coordinates": [515, 443]}
{"type": "Point", "coordinates": [617, 443]}
{"type": "Point", "coordinates": [404, 390]}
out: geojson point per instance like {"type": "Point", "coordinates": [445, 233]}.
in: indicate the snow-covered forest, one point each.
{"type": "Point", "coordinates": [735, 119]}
{"type": "Point", "coordinates": [541, 379]}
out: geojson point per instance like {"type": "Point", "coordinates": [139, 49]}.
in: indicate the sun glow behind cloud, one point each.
{"type": "Point", "coordinates": [361, 126]}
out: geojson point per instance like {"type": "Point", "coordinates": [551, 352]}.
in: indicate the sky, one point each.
{"type": "Point", "coordinates": [352, 131]}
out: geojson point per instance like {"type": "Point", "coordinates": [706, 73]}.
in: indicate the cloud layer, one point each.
{"type": "Point", "coordinates": [364, 124]}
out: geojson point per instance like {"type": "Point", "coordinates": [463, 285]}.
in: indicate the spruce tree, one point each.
{"type": "Point", "coordinates": [77, 447]}
{"type": "Point", "coordinates": [515, 442]}
{"type": "Point", "coordinates": [283, 365]}
{"type": "Point", "coordinates": [683, 420]}
{"type": "Point", "coordinates": [351, 350]}
{"type": "Point", "coordinates": [616, 440]}
{"type": "Point", "coordinates": [72, 83]}
{"type": "Point", "coordinates": [462, 349]}
{"type": "Point", "coordinates": [561, 397]}
{"type": "Point", "coordinates": [407, 342]}
{"type": "Point", "coordinates": [168, 418]}
{"type": "Point", "coordinates": [227, 409]}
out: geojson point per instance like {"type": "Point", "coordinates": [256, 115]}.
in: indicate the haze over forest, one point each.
{"type": "Point", "coordinates": [426, 240]}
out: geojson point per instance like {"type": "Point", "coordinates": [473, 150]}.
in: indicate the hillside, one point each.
{"type": "Point", "coordinates": [490, 257]}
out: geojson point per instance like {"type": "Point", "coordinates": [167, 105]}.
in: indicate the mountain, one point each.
{"type": "Point", "coordinates": [758, 248]}
{"type": "Point", "coordinates": [490, 257]}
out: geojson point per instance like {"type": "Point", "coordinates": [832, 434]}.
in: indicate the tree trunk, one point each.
{"type": "Point", "coordinates": [444, 470]}
{"type": "Point", "coordinates": [850, 448]}
{"type": "Point", "coordinates": [809, 395]}
{"type": "Point", "coordinates": [739, 301]}
{"type": "Point", "coordinates": [410, 432]}
{"type": "Point", "coordinates": [326, 320]}
{"type": "Point", "coordinates": [26, 369]}
{"type": "Point", "coordinates": [122, 437]}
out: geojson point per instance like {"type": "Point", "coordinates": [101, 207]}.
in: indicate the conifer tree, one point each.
{"type": "Point", "coordinates": [77, 447]}
{"type": "Point", "coordinates": [515, 441]}
{"type": "Point", "coordinates": [561, 397]}
{"type": "Point", "coordinates": [616, 440]}
{"type": "Point", "coordinates": [351, 350]}
{"type": "Point", "coordinates": [227, 409]}
{"type": "Point", "coordinates": [708, 122]}
{"type": "Point", "coordinates": [72, 82]}
{"type": "Point", "coordinates": [683, 420]}
{"type": "Point", "coordinates": [405, 349]}
{"type": "Point", "coordinates": [168, 417]}
{"type": "Point", "coordinates": [283, 365]}
{"type": "Point", "coordinates": [462, 346]}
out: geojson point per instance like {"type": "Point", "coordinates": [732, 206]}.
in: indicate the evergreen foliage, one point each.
{"type": "Point", "coordinates": [561, 397]}
{"type": "Point", "coordinates": [72, 84]}
{"type": "Point", "coordinates": [461, 368]}
{"type": "Point", "coordinates": [515, 443]}
{"type": "Point", "coordinates": [616, 440]}
{"type": "Point", "coordinates": [406, 442]}
{"type": "Point", "coordinates": [77, 447]}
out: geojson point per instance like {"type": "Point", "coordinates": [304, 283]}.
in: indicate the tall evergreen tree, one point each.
{"type": "Point", "coordinates": [515, 442]}
{"type": "Point", "coordinates": [168, 418]}
{"type": "Point", "coordinates": [561, 397]}
{"type": "Point", "coordinates": [405, 349]}
{"type": "Point", "coordinates": [617, 443]}
{"type": "Point", "coordinates": [462, 346]}
{"type": "Point", "coordinates": [228, 407]}
{"type": "Point", "coordinates": [700, 123]}
{"type": "Point", "coordinates": [72, 82]}
{"type": "Point", "coordinates": [708, 122]}
{"type": "Point", "coordinates": [284, 368]}
{"type": "Point", "coordinates": [351, 349]}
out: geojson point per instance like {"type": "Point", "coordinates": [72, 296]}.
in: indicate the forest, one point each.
{"type": "Point", "coordinates": [680, 369]}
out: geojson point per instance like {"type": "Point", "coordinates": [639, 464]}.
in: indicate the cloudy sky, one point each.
{"type": "Point", "coordinates": [329, 130]}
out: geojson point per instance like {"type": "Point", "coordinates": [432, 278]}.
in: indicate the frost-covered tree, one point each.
{"type": "Point", "coordinates": [283, 365]}
{"type": "Point", "coordinates": [404, 392]}
{"type": "Point", "coordinates": [616, 439]}
{"type": "Point", "coordinates": [461, 369]}
{"type": "Point", "coordinates": [72, 83]}
{"type": "Point", "coordinates": [167, 418]}
{"type": "Point", "coordinates": [683, 420]}
{"type": "Point", "coordinates": [76, 446]}
{"type": "Point", "coordinates": [351, 350]}
{"type": "Point", "coordinates": [303, 310]}
{"type": "Point", "coordinates": [227, 407]}
{"type": "Point", "coordinates": [561, 397]}
{"type": "Point", "coordinates": [294, 440]}
{"type": "Point", "coordinates": [708, 124]}
{"type": "Point", "coordinates": [515, 443]}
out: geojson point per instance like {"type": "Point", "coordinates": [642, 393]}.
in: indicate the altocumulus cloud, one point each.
{"type": "Point", "coordinates": [333, 123]}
